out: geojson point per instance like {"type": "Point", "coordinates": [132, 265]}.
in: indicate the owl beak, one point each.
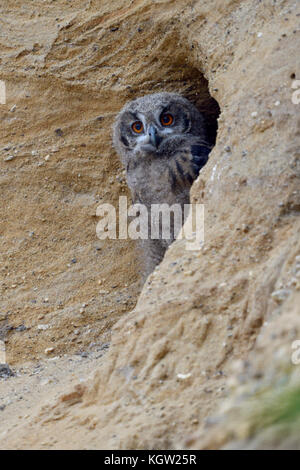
{"type": "Point", "coordinates": [155, 139]}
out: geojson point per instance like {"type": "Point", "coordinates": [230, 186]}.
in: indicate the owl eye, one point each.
{"type": "Point", "coordinates": [137, 127]}
{"type": "Point", "coordinates": [166, 119]}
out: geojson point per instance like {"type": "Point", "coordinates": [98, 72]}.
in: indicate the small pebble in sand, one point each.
{"type": "Point", "coordinates": [9, 158]}
{"type": "Point", "coordinates": [280, 295]}
{"type": "Point", "coordinates": [49, 351]}
{"type": "Point", "coordinates": [42, 327]}
{"type": "Point", "coordinates": [184, 376]}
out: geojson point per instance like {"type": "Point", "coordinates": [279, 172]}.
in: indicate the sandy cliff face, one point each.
{"type": "Point", "coordinates": [210, 339]}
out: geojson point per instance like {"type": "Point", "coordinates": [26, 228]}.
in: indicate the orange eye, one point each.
{"type": "Point", "coordinates": [166, 119]}
{"type": "Point", "coordinates": [137, 127]}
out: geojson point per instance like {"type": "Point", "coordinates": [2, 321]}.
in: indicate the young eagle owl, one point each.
{"type": "Point", "coordinates": [162, 142]}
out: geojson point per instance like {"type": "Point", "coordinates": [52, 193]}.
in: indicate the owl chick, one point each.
{"type": "Point", "coordinates": [162, 142]}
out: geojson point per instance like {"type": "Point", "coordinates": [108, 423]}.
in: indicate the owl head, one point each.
{"type": "Point", "coordinates": [153, 126]}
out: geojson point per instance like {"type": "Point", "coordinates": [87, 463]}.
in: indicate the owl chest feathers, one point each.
{"type": "Point", "coordinates": [157, 181]}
